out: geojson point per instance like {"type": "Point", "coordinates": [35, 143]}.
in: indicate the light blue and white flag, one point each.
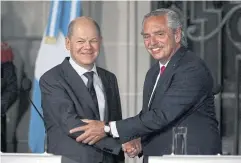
{"type": "Point", "coordinates": [51, 53]}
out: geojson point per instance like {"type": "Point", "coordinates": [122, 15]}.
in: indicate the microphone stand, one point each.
{"type": "Point", "coordinates": [26, 85]}
{"type": "Point", "coordinates": [40, 115]}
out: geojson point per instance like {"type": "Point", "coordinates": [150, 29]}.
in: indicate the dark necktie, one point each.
{"type": "Point", "coordinates": [91, 89]}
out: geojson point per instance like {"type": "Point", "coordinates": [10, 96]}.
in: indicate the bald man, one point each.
{"type": "Point", "coordinates": [77, 89]}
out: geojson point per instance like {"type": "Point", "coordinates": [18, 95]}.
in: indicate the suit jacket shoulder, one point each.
{"type": "Point", "coordinates": [190, 59]}
{"type": "Point", "coordinates": [52, 75]}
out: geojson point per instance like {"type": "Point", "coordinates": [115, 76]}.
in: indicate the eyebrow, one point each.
{"type": "Point", "coordinates": [142, 33]}
{"type": "Point", "coordinates": [95, 38]}
{"type": "Point", "coordinates": [85, 39]}
{"type": "Point", "coordinates": [159, 31]}
{"type": "Point", "coordinates": [80, 38]}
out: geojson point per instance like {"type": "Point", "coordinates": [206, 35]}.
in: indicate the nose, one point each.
{"type": "Point", "coordinates": [153, 41]}
{"type": "Point", "coordinates": [87, 45]}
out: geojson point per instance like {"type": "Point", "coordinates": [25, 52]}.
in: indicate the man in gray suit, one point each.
{"type": "Point", "coordinates": [177, 92]}
{"type": "Point", "coordinates": [77, 89]}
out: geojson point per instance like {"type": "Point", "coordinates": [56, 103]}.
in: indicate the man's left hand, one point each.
{"type": "Point", "coordinates": [93, 131]}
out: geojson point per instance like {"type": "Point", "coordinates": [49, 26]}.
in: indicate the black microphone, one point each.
{"type": "Point", "coordinates": [26, 87]}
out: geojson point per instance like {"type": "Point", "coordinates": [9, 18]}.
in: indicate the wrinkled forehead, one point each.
{"type": "Point", "coordinates": [85, 30]}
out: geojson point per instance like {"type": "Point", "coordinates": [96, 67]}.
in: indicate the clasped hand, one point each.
{"type": "Point", "coordinates": [94, 131]}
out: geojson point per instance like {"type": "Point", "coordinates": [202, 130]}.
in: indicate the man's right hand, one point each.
{"type": "Point", "coordinates": [132, 148]}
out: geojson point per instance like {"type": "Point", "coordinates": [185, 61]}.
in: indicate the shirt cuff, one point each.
{"type": "Point", "coordinates": [113, 129]}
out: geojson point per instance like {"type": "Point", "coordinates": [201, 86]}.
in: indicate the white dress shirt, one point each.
{"type": "Point", "coordinates": [113, 123]}
{"type": "Point", "coordinates": [97, 85]}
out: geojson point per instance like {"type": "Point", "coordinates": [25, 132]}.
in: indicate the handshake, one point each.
{"type": "Point", "coordinates": [132, 148]}
{"type": "Point", "coordinates": [94, 131]}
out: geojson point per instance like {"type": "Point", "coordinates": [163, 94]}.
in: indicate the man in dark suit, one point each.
{"type": "Point", "coordinates": [177, 92]}
{"type": "Point", "coordinates": [77, 89]}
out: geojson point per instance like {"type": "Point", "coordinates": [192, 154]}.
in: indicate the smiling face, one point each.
{"type": "Point", "coordinates": [159, 39]}
{"type": "Point", "coordinates": [84, 42]}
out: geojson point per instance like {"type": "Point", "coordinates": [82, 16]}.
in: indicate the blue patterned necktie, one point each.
{"type": "Point", "coordinates": [91, 89]}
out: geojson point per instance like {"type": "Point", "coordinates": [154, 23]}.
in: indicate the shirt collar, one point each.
{"type": "Point", "coordinates": [163, 65]}
{"type": "Point", "coordinates": [81, 70]}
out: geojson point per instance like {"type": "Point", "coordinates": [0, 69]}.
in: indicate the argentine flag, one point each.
{"type": "Point", "coordinates": [51, 53]}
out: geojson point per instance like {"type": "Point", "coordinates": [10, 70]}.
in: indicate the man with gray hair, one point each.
{"type": "Point", "coordinates": [177, 93]}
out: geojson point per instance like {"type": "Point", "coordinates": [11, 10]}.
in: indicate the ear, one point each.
{"type": "Point", "coordinates": [67, 43]}
{"type": "Point", "coordinates": [178, 35]}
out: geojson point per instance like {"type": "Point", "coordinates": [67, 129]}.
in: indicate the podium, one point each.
{"type": "Point", "coordinates": [33, 158]}
{"type": "Point", "coordinates": [195, 159]}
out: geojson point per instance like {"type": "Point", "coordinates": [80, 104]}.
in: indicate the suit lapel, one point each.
{"type": "Point", "coordinates": [151, 79]}
{"type": "Point", "coordinates": [79, 88]}
{"type": "Point", "coordinates": [167, 74]}
{"type": "Point", "coordinates": [106, 89]}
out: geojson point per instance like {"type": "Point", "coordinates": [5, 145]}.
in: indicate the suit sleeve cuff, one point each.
{"type": "Point", "coordinates": [113, 129]}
